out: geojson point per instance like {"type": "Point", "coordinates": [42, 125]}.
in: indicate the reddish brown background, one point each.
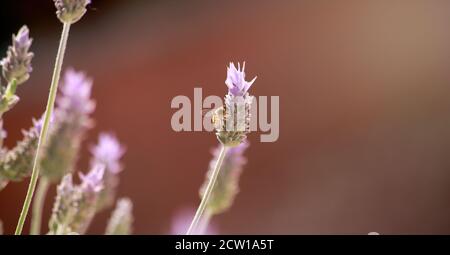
{"type": "Point", "coordinates": [364, 92]}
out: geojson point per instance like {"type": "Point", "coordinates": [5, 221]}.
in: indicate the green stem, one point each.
{"type": "Point", "coordinates": [38, 206]}
{"type": "Point", "coordinates": [209, 188]}
{"type": "Point", "coordinates": [43, 135]}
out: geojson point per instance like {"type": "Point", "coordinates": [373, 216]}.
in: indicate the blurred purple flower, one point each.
{"type": "Point", "coordinates": [93, 181]}
{"type": "Point", "coordinates": [17, 63]}
{"type": "Point", "coordinates": [71, 121]}
{"type": "Point", "coordinates": [108, 151]}
{"type": "Point", "coordinates": [227, 185]}
{"type": "Point", "coordinates": [236, 83]}
{"type": "Point", "coordinates": [76, 93]}
{"type": "Point", "coordinates": [181, 221]}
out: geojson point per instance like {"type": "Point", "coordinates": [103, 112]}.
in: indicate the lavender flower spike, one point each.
{"type": "Point", "coordinates": [76, 93]}
{"type": "Point", "coordinates": [227, 185]}
{"type": "Point", "coordinates": [65, 207]}
{"type": "Point", "coordinates": [237, 85]}
{"type": "Point", "coordinates": [234, 124]}
{"type": "Point", "coordinates": [71, 121]}
{"type": "Point", "coordinates": [75, 205]}
{"type": "Point", "coordinates": [17, 63]}
{"type": "Point", "coordinates": [16, 163]}
{"type": "Point", "coordinates": [108, 152]}
{"type": "Point", "coordinates": [121, 219]}
{"type": "Point", "coordinates": [70, 11]}
{"type": "Point", "coordinates": [93, 181]}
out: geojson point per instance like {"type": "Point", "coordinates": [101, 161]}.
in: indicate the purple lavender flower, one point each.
{"type": "Point", "coordinates": [71, 121]}
{"type": "Point", "coordinates": [75, 205]}
{"type": "Point", "coordinates": [66, 206]}
{"type": "Point", "coordinates": [234, 124]}
{"type": "Point", "coordinates": [236, 83]}
{"type": "Point", "coordinates": [227, 185]}
{"type": "Point", "coordinates": [16, 164]}
{"type": "Point", "coordinates": [108, 151]}
{"type": "Point", "coordinates": [182, 220]}
{"type": "Point", "coordinates": [70, 11]}
{"type": "Point", "coordinates": [93, 181]}
{"type": "Point", "coordinates": [76, 93]}
{"type": "Point", "coordinates": [17, 63]}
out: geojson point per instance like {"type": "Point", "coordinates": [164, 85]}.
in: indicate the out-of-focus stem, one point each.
{"type": "Point", "coordinates": [45, 126]}
{"type": "Point", "coordinates": [209, 188]}
{"type": "Point", "coordinates": [204, 222]}
{"type": "Point", "coordinates": [38, 206]}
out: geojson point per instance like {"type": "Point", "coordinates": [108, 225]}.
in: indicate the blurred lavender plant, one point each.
{"type": "Point", "coordinates": [227, 185]}
{"type": "Point", "coordinates": [121, 219]}
{"type": "Point", "coordinates": [75, 205]}
{"type": "Point", "coordinates": [16, 69]}
{"type": "Point", "coordinates": [15, 164]}
{"type": "Point", "coordinates": [108, 152]}
{"type": "Point", "coordinates": [68, 12]}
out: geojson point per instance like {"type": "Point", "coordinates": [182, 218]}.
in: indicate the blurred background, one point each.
{"type": "Point", "coordinates": [364, 92]}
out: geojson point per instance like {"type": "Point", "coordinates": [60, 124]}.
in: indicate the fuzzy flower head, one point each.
{"type": "Point", "coordinates": [16, 163]}
{"type": "Point", "coordinates": [76, 93]}
{"type": "Point", "coordinates": [236, 83]}
{"type": "Point", "coordinates": [93, 181]}
{"type": "Point", "coordinates": [108, 151]}
{"type": "Point", "coordinates": [70, 11]}
{"type": "Point", "coordinates": [71, 121]}
{"type": "Point", "coordinates": [17, 63]}
{"type": "Point", "coordinates": [234, 116]}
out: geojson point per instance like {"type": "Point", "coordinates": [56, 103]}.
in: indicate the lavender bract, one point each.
{"type": "Point", "coordinates": [236, 83]}
{"type": "Point", "coordinates": [108, 151]}
{"type": "Point", "coordinates": [235, 115]}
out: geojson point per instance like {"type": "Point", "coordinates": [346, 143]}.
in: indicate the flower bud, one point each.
{"type": "Point", "coordinates": [70, 11]}
{"type": "Point", "coordinates": [17, 63]}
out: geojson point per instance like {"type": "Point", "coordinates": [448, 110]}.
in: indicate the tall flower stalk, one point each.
{"type": "Point", "coordinates": [232, 124]}
{"type": "Point", "coordinates": [68, 12]}
{"type": "Point", "coordinates": [209, 188]}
